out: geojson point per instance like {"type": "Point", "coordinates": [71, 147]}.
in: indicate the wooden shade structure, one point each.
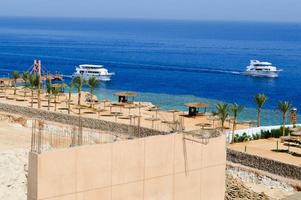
{"type": "Point", "coordinates": [123, 96]}
{"type": "Point", "coordinates": [193, 108]}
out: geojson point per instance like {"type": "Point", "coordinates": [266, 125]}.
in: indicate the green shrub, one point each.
{"type": "Point", "coordinates": [256, 136]}
{"type": "Point", "coordinates": [242, 138]}
{"type": "Point", "coordinates": [274, 133]}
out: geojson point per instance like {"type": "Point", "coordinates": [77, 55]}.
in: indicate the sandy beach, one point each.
{"type": "Point", "coordinates": [151, 116]}
{"type": "Point", "coordinates": [14, 148]}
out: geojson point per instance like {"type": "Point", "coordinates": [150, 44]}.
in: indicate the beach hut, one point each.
{"type": "Point", "coordinates": [123, 97]}
{"type": "Point", "coordinates": [193, 108]}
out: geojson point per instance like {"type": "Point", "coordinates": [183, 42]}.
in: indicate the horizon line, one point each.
{"type": "Point", "coordinates": [150, 19]}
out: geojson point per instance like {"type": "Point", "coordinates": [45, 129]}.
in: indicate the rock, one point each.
{"type": "Point", "coordinates": [236, 190]}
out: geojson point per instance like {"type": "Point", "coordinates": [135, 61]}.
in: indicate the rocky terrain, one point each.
{"type": "Point", "coordinates": [236, 190]}
{"type": "Point", "coordinates": [246, 185]}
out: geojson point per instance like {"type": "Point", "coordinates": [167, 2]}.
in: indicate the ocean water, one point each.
{"type": "Point", "coordinates": [167, 62]}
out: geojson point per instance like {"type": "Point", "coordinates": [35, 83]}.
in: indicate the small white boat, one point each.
{"type": "Point", "coordinates": [262, 69]}
{"type": "Point", "coordinates": [88, 70]}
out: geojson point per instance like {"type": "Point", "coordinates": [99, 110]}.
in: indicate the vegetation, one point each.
{"type": "Point", "coordinates": [223, 113]}
{"type": "Point", "coordinates": [15, 75]}
{"type": "Point", "coordinates": [70, 86]}
{"type": "Point", "coordinates": [78, 83]}
{"type": "Point", "coordinates": [39, 90]}
{"type": "Point", "coordinates": [275, 133]}
{"type": "Point", "coordinates": [260, 100]}
{"type": "Point", "coordinates": [34, 81]}
{"type": "Point", "coordinates": [236, 110]}
{"type": "Point", "coordinates": [92, 83]}
{"type": "Point", "coordinates": [25, 77]}
{"type": "Point", "coordinates": [284, 107]}
{"type": "Point", "coordinates": [49, 91]}
{"type": "Point", "coordinates": [55, 92]}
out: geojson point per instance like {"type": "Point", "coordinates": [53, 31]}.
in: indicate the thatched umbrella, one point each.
{"type": "Point", "coordinates": [123, 96]}
{"type": "Point", "coordinates": [193, 108]}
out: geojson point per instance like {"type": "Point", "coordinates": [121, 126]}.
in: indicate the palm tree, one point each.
{"type": "Point", "coordinates": [55, 91]}
{"type": "Point", "coordinates": [25, 77]}
{"type": "Point", "coordinates": [70, 86]}
{"type": "Point", "coordinates": [284, 107]}
{"type": "Point", "coordinates": [92, 83]}
{"type": "Point", "coordinates": [236, 110]}
{"type": "Point", "coordinates": [34, 82]}
{"type": "Point", "coordinates": [223, 113]}
{"type": "Point", "coordinates": [49, 91]}
{"type": "Point", "coordinates": [15, 75]}
{"type": "Point", "coordinates": [39, 90]}
{"type": "Point", "coordinates": [78, 82]}
{"type": "Point", "coordinates": [260, 100]}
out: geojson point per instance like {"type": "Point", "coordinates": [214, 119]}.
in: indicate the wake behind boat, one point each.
{"type": "Point", "coordinates": [88, 70]}
{"type": "Point", "coordinates": [262, 69]}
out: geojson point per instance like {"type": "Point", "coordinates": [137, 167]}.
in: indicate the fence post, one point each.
{"type": "Point", "coordinates": [245, 148]}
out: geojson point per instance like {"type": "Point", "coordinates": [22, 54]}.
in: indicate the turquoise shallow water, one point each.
{"type": "Point", "coordinates": [167, 62]}
{"type": "Point", "coordinates": [168, 101]}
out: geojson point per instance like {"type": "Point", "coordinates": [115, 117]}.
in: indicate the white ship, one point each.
{"type": "Point", "coordinates": [88, 70]}
{"type": "Point", "coordinates": [262, 69]}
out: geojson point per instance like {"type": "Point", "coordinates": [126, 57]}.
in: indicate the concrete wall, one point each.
{"type": "Point", "coordinates": [272, 166]}
{"type": "Point", "coordinates": [151, 168]}
{"type": "Point", "coordinates": [74, 120]}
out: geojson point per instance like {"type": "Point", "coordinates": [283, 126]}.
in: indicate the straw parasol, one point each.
{"type": "Point", "coordinates": [123, 96]}
{"type": "Point", "coordinates": [193, 108]}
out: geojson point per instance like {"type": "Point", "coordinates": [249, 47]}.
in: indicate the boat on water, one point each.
{"type": "Point", "coordinates": [262, 69]}
{"type": "Point", "coordinates": [98, 71]}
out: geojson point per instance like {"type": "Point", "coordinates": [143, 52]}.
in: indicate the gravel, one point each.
{"type": "Point", "coordinates": [236, 190]}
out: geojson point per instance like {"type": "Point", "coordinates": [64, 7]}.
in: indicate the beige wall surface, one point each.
{"type": "Point", "coordinates": [152, 168]}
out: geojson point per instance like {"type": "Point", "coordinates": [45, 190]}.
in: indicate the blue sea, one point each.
{"type": "Point", "coordinates": [167, 62]}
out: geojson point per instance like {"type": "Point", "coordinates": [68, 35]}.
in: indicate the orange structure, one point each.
{"type": "Point", "coordinates": [37, 69]}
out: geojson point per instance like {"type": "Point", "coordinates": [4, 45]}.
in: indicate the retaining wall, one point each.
{"type": "Point", "coordinates": [163, 167]}
{"type": "Point", "coordinates": [74, 120]}
{"type": "Point", "coordinates": [271, 166]}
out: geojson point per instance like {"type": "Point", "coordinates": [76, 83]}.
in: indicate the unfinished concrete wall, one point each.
{"type": "Point", "coordinates": [152, 168]}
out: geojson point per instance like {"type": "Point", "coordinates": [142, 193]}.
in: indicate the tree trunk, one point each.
{"type": "Point", "coordinates": [31, 98]}
{"type": "Point", "coordinates": [39, 98]}
{"type": "Point", "coordinates": [233, 129]}
{"type": "Point", "coordinates": [79, 99]}
{"type": "Point", "coordinates": [55, 103]}
{"type": "Point", "coordinates": [49, 100]}
{"type": "Point", "coordinates": [283, 126]}
{"type": "Point", "coordinates": [258, 118]}
{"type": "Point", "coordinates": [15, 90]}
{"type": "Point", "coordinates": [69, 102]}
{"type": "Point", "coordinates": [222, 126]}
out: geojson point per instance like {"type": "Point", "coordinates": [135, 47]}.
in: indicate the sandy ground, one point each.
{"type": "Point", "coordinates": [264, 148]}
{"type": "Point", "coordinates": [163, 120]}
{"type": "Point", "coordinates": [14, 147]}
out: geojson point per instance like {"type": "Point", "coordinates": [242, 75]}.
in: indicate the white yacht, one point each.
{"type": "Point", "coordinates": [262, 69]}
{"type": "Point", "coordinates": [88, 70]}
